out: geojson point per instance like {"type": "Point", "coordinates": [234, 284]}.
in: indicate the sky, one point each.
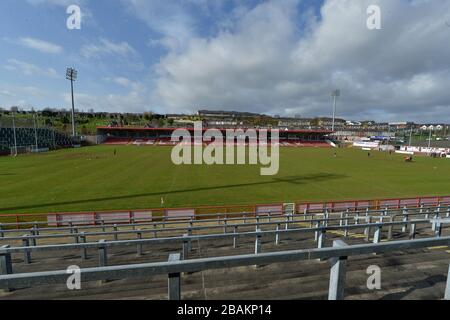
{"type": "Point", "coordinates": [280, 57]}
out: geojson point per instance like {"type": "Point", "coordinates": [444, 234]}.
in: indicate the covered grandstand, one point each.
{"type": "Point", "coordinates": [26, 139]}
{"type": "Point", "coordinates": [162, 136]}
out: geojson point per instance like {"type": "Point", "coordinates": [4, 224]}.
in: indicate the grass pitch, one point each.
{"type": "Point", "coordinates": [137, 177]}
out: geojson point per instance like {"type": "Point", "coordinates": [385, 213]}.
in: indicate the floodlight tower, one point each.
{"type": "Point", "coordinates": [14, 110]}
{"type": "Point", "coordinates": [335, 94]}
{"type": "Point", "coordinates": [71, 74]}
{"type": "Point", "coordinates": [35, 131]}
{"type": "Point", "coordinates": [410, 136]}
{"type": "Point", "coordinates": [429, 138]}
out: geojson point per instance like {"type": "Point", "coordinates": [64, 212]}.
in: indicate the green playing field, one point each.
{"type": "Point", "coordinates": [138, 177]}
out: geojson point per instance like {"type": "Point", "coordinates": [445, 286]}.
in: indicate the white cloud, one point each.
{"type": "Point", "coordinates": [107, 47]}
{"type": "Point", "coordinates": [262, 62]}
{"type": "Point", "coordinates": [122, 81]}
{"type": "Point", "coordinates": [29, 69]}
{"type": "Point", "coordinates": [41, 45]}
{"type": "Point", "coordinates": [23, 96]}
{"type": "Point", "coordinates": [135, 100]}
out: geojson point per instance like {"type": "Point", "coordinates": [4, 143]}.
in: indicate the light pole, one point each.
{"type": "Point", "coordinates": [14, 110]}
{"type": "Point", "coordinates": [35, 131]}
{"type": "Point", "coordinates": [335, 93]}
{"type": "Point", "coordinates": [429, 138]}
{"type": "Point", "coordinates": [71, 74]}
{"type": "Point", "coordinates": [410, 136]}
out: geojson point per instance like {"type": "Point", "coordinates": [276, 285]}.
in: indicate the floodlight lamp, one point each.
{"type": "Point", "coordinates": [336, 93]}
{"type": "Point", "coordinates": [71, 74]}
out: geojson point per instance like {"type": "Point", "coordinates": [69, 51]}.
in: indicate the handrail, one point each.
{"type": "Point", "coordinates": [190, 238]}
{"type": "Point", "coordinates": [196, 265]}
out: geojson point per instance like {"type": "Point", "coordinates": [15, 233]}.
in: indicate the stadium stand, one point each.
{"type": "Point", "coordinates": [162, 137]}
{"type": "Point", "coordinates": [283, 247]}
{"type": "Point", "coordinates": [47, 138]}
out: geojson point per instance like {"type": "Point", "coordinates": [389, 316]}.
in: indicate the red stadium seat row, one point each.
{"type": "Point", "coordinates": [168, 142]}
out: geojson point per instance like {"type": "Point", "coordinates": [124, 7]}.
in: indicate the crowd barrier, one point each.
{"type": "Point", "coordinates": [166, 214]}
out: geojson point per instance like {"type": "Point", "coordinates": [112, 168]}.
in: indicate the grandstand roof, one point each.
{"type": "Point", "coordinates": [204, 129]}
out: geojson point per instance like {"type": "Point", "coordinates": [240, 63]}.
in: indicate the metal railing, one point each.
{"type": "Point", "coordinates": [173, 268]}
{"type": "Point", "coordinates": [186, 240]}
{"type": "Point", "coordinates": [160, 226]}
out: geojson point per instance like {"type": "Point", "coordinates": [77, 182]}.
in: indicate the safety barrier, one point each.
{"type": "Point", "coordinates": [129, 216]}
{"type": "Point", "coordinates": [322, 226]}
{"type": "Point", "coordinates": [337, 255]}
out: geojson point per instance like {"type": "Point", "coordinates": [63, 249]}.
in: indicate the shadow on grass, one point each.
{"type": "Point", "coordinates": [295, 180]}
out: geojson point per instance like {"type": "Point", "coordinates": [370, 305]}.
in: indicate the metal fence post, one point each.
{"type": "Point", "coordinates": [277, 235]}
{"type": "Point", "coordinates": [174, 280]}
{"type": "Point", "coordinates": [116, 237]}
{"type": "Point", "coordinates": [5, 264]}
{"type": "Point", "coordinates": [2, 234]}
{"type": "Point", "coordinates": [102, 257]}
{"type": "Point", "coordinates": [447, 287]}
{"type": "Point", "coordinates": [405, 219]}
{"type": "Point", "coordinates": [75, 237]}
{"type": "Point", "coordinates": [189, 243]}
{"type": "Point", "coordinates": [27, 254]}
{"type": "Point", "coordinates": [83, 249]}
{"type": "Point", "coordinates": [235, 238]}
{"type": "Point", "coordinates": [102, 254]}
{"type": "Point", "coordinates": [316, 233]}
{"type": "Point", "coordinates": [33, 234]}
{"type": "Point", "coordinates": [321, 240]}
{"type": "Point", "coordinates": [427, 215]}
{"type": "Point", "coordinates": [412, 231]}
{"type": "Point", "coordinates": [390, 228]}
{"type": "Point", "coordinates": [438, 230]}
{"type": "Point", "coordinates": [258, 245]}
{"type": "Point", "coordinates": [337, 275]}
{"type": "Point", "coordinates": [367, 229]}
{"type": "Point", "coordinates": [155, 231]}
{"type": "Point", "coordinates": [185, 249]}
{"type": "Point", "coordinates": [258, 242]}
{"type": "Point", "coordinates": [346, 224]}
{"type": "Point", "coordinates": [139, 250]}
{"type": "Point", "coordinates": [377, 234]}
